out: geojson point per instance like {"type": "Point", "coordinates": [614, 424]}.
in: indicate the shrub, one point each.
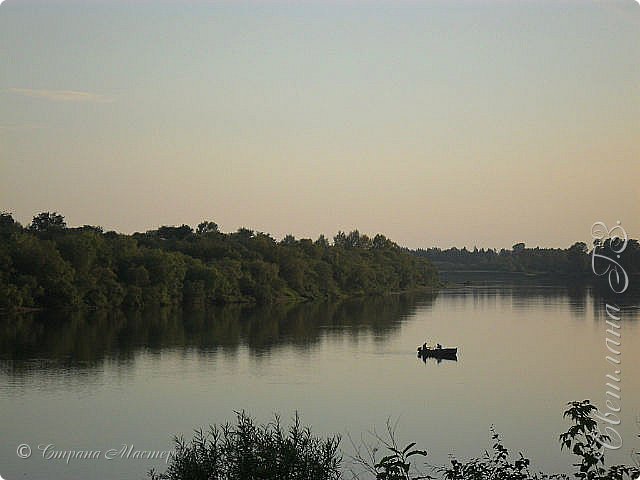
{"type": "Point", "coordinates": [246, 451]}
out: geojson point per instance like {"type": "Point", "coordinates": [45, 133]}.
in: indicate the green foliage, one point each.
{"type": "Point", "coordinates": [51, 265]}
{"type": "Point", "coordinates": [246, 451]}
{"type": "Point", "coordinates": [8, 225]}
{"type": "Point", "coordinates": [48, 222]}
{"type": "Point", "coordinates": [207, 228]}
{"type": "Point", "coordinates": [495, 465]}
{"type": "Point", "coordinates": [395, 465]}
{"type": "Point", "coordinates": [584, 440]}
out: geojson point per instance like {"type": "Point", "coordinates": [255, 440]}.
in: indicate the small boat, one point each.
{"type": "Point", "coordinates": [446, 353]}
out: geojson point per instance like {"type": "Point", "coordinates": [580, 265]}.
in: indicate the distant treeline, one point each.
{"type": "Point", "coordinates": [48, 264]}
{"type": "Point", "coordinates": [574, 261]}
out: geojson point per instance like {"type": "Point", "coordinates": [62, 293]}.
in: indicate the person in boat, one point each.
{"type": "Point", "coordinates": [438, 346]}
{"type": "Point", "coordinates": [424, 346]}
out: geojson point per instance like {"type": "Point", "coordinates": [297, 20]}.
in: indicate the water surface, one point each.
{"type": "Point", "coordinates": [97, 381]}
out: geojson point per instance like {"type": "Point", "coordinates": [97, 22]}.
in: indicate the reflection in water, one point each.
{"type": "Point", "coordinates": [526, 291]}
{"type": "Point", "coordinates": [83, 339]}
{"type": "Point", "coordinates": [523, 297]}
{"type": "Point", "coordinates": [438, 360]}
{"type": "Point", "coordinates": [80, 340]}
{"type": "Point", "coordinates": [524, 351]}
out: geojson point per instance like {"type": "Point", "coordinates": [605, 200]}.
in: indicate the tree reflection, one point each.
{"type": "Point", "coordinates": [84, 339]}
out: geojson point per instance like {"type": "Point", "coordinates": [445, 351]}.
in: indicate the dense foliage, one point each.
{"type": "Point", "coordinates": [246, 451]}
{"type": "Point", "coordinates": [573, 261]}
{"type": "Point", "coordinates": [49, 264]}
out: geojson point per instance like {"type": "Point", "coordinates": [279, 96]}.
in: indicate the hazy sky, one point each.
{"type": "Point", "coordinates": [437, 122]}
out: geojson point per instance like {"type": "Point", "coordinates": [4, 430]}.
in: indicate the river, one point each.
{"type": "Point", "coordinates": [100, 382]}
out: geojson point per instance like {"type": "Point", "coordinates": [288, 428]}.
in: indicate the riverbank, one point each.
{"type": "Point", "coordinates": [49, 265]}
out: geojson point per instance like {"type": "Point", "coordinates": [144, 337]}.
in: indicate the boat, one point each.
{"type": "Point", "coordinates": [446, 353]}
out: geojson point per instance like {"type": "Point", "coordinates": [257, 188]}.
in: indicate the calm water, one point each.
{"type": "Point", "coordinates": [98, 381]}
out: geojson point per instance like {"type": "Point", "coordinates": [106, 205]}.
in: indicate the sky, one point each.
{"type": "Point", "coordinates": [438, 122]}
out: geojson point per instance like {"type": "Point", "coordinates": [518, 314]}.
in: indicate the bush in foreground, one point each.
{"type": "Point", "coordinates": [246, 451]}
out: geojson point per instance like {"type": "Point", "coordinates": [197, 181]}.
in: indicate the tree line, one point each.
{"type": "Point", "coordinates": [574, 261]}
{"type": "Point", "coordinates": [47, 264]}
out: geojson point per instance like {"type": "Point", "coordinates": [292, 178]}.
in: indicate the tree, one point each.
{"type": "Point", "coordinates": [244, 234]}
{"type": "Point", "coordinates": [322, 242]}
{"type": "Point", "coordinates": [207, 227]}
{"type": "Point", "coordinates": [48, 222]}
{"type": "Point", "coordinates": [577, 258]}
{"type": "Point", "coordinates": [8, 225]}
{"type": "Point", "coordinates": [380, 242]}
{"type": "Point", "coordinates": [353, 239]}
{"type": "Point", "coordinates": [172, 265]}
{"type": "Point", "coordinates": [340, 239]}
{"type": "Point", "coordinates": [175, 233]}
{"type": "Point", "coordinates": [288, 240]}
